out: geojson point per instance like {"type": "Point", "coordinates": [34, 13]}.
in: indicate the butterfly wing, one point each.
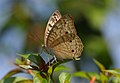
{"type": "Point", "coordinates": [53, 19]}
{"type": "Point", "coordinates": [61, 37]}
{"type": "Point", "coordinates": [64, 26]}
{"type": "Point", "coordinates": [71, 49]}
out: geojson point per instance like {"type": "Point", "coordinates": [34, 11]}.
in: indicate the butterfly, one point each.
{"type": "Point", "coordinates": [61, 38]}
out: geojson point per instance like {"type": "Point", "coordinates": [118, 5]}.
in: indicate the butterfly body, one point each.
{"type": "Point", "coordinates": [61, 37]}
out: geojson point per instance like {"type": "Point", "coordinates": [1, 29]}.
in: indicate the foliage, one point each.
{"type": "Point", "coordinates": [42, 72]}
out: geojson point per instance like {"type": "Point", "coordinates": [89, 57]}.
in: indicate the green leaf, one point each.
{"type": "Point", "coordinates": [15, 80]}
{"type": "Point", "coordinates": [115, 80]}
{"type": "Point", "coordinates": [102, 68]}
{"type": "Point", "coordinates": [38, 79]}
{"type": "Point", "coordinates": [24, 55]}
{"type": "Point", "coordinates": [60, 67]}
{"type": "Point", "coordinates": [64, 77]}
{"type": "Point", "coordinates": [81, 74]}
{"type": "Point", "coordinates": [103, 78]}
{"type": "Point", "coordinates": [87, 75]}
{"type": "Point", "coordinates": [25, 81]}
{"type": "Point", "coordinates": [113, 72]}
{"type": "Point", "coordinates": [35, 58]}
{"type": "Point", "coordinates": [8, 80]}
{"type": "Point", "coordinates": [12, 72]}
{"type": "Point", "coordinates": [18, 61]}
{"type": "Point", "coordinates": [26, 66]}
{"type": "Point", "coordinates": [116, 69]}
{"type": "Point", "coordinates": [91, 74]}
{"type": "Point", "coordinates": [50, 70]}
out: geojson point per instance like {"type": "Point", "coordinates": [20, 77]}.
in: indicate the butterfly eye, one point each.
{"type": "Point", "coordinates": [72, 50]}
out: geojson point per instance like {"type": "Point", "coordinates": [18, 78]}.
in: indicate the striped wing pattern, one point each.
{"type": "Point", "coordinates": [61, 37]}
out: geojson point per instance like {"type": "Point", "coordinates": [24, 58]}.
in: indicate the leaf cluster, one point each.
{"type": "Point", "coordinates": [42, 72]}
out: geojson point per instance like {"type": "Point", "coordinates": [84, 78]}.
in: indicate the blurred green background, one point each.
{"type": "Point", "coordinates": [22, 25]}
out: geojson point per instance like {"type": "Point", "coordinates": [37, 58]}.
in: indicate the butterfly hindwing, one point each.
{"type": "Point", "coordinates": [71, 49]}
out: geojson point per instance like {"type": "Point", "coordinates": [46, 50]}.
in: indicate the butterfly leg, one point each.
{"type": "Point", "coordinates": [55, 59]}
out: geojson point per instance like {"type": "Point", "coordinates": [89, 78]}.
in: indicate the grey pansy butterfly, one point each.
{"type": "Point", "coordinates": [61, 37]}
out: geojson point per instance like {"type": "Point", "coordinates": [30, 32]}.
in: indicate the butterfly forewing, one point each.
{"type": "Point", "coordinates": [53, 19]}
{"type": "Point", "coordinates": [63, 27]}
